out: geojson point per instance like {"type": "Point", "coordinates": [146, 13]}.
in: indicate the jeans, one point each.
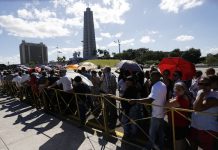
{"type": "Point", "coordinates": [156, 133]}
{"type": "Point", "coordinates": [134, 113]}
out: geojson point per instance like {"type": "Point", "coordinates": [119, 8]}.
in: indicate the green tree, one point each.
{"type": "Point", "coordinates": [103, 53]}
{"type": "Point", "coordinates": [211, 59]}
{"type": "Point", "coordinates": [175, 53]}
{"type": "Point", "coordinates": [193, 55]}
{"type": "Point", "coordinates": [61, 59]}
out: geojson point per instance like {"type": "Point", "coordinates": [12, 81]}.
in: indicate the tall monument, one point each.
{"type": "Point", "coordinates": [89, 44]}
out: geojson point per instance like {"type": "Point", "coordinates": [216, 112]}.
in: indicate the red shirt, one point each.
{"type": "Point", "coordinates": [179, 120]}
{"type": "Point", "coordinates": [33, 84]}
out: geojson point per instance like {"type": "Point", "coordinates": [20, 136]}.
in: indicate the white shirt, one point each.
{"type": "Point", "coordinates": [66, 82]}
{"type": "Point", "coordinates": [17, 80]}
{"type": "Point", "coordinates": [158, 93]}
{"type": "Point", "coordinates": [121, 86]}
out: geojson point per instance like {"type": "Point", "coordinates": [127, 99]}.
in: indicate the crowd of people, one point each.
{"type": "Point", "coordinates": [140, 90]}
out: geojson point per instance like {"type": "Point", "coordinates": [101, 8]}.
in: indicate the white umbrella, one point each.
{"type": "Point", "coordinates": [46, 67]}
{"type": "Point", "coordinates": [88, 65]}
{"type": "Point", "coordinates": [72, 75]}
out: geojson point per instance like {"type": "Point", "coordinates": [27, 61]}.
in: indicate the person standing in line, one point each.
{"type": "Point", "coordinates": [168, 82]}
{"type": "Point", "coordinates": [156, 97]}
{"type": "Point", "coordinates": [66, 83]}
{"type": "Point", "coordinates": [204, 127]}
{"type": "Point", "coordinates": [109, 86]}
{"type": "Point", "coordinates": [181, 124]}
{"type": "Point", "coordinates": [130, 110]}
{"type": "Point", "coordinates": [84, 102]}
{"type": "Point", "coordinates": [210, 72]}
{"type": "Point", "coordinates": [194, 86]}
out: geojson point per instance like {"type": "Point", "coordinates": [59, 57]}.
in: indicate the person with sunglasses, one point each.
{"type": "Point", "coordinates": [204, 126]}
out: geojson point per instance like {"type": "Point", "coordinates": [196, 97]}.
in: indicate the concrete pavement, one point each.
{"type": "Point", "coordinates": [24, 128]}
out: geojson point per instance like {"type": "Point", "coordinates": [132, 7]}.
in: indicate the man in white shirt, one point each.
{"type": "Point", "coordinates": [66, 96]}
{"type": "Point", "coordinates": [64, 81]}
{"type": "Point", "coordinates": [156, 97]}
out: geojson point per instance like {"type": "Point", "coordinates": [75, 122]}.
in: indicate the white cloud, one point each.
{"type": "Point", "coordinates": [1, 31]}
{"type": "Point", "coordinates": [147, 39]}
{"type": "Point", "coordinates": [44, 23]}
{"type": "Point", "coordinates": [66, 51]}
{"type": "Point", "coordinates": [118, 35]}
{"type": "Point", "coordinates": [15, 59]}
{"type": "Point", "coordinates": [176, 5]}
{"type": "Point", "coordinates": [98, 38]}
{"type": "Point", "coordinates": [43, 14]}
{"type": "Point", "coordinates": [212, 51]}
{"type": "Point", "coordinates": [112, 44]}
{"type": "Point", "coordinates": [35, 13]}
{"type": "Point", "coordinates": [110, 11]}
{"type": "Point", "coordinates": [124, 42]}
{"type": "Point", "coordinates": [52, 27]}
{"type": "Point", "coordinates": [153, 32]}
{"type": "Point", "coordinates": [23, 13]}
{"type": "Point", "coordinates": [36, 23]}
{"type": "Point", "coordinates": [106, 34]}
{"type": "Point", "coordinates": [128, 42]}
{"type": "Point", "coordinates": [100, 47]}
{"type": "Point", "coordinates": [109, 35]}
{"type": "Point", "coordinates": [184, 38]}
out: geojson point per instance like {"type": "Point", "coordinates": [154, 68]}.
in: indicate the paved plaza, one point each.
{"type": "Point", "coordinates": [25, 128]}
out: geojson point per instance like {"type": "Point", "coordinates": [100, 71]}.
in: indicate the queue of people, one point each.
{"type": "Point", "coordinates": [192, 130]}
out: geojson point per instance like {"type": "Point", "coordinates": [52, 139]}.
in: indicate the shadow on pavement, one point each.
{"type": "Point", "coordinates": [66, 140]}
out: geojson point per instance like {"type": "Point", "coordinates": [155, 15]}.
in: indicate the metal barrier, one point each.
{"type": "Point", "coordinates": [101, 112]}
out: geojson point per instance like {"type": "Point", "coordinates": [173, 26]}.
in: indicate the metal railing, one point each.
{"type": "Point", "coordinates": [98, 111]}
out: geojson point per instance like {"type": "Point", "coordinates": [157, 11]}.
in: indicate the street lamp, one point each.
{"type": "Point", "coordinates": [57, 51]}
{"type": "Point", "coordinates": [118, 42]}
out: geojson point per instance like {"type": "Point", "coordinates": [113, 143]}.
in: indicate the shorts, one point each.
{"type": "Point", "coordinates": [203, 139]}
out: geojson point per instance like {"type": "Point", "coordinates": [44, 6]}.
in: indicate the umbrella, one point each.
{"type": "Point", "coordinates": [72, 75]}
{"type": "Point", "coordinates": [46, 67]}
{"type": "Point", "coordinates": [72, 67]}
{"type": "Point", "coordinates": [129, 65]}
{"type": "Point", "coordinates": [178, 64]}
{"type": "Point", "coordinates": [88, 66]}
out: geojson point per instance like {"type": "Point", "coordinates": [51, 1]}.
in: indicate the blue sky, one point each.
{"type": "Point", "coordinates": [155, 24]}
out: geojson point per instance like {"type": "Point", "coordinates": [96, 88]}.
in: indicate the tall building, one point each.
{"type": "Point", "coordinates": [33, 53]}
{"type": "Point", "coordinates": [89, 44]}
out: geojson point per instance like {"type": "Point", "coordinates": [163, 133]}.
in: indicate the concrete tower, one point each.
{"type": "Point", "coordinates": [89, 44]}
{"type": "Point", "coordinates": [36, 53]}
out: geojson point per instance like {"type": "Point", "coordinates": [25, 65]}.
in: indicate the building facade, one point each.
{"type": "Point", "coordinates": [33, 53]}
{"type": "Point", "coordinates": [89, 43]}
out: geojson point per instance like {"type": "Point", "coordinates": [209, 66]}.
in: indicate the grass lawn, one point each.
{"type": "Point", "coordinates": [104, 62]}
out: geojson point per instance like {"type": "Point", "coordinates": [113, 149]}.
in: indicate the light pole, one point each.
{"type": "Point", "coordinates": [119, 44]}
{"type": "Point", "coordinates": [57, 51]}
